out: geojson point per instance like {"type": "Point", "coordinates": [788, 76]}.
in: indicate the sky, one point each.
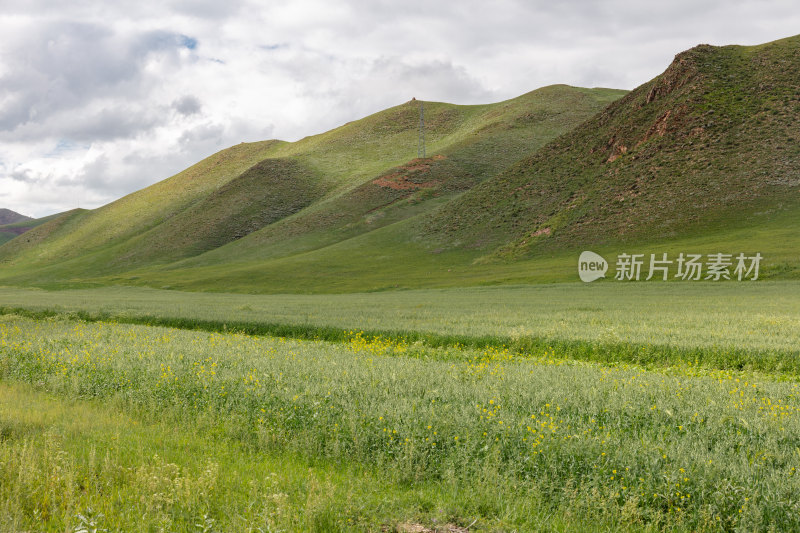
{"type": "Point", "coordinates": [99, 99]}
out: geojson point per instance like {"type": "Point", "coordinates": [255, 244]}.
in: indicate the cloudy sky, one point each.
{"type": "Point", "coordinates": [98, 98]}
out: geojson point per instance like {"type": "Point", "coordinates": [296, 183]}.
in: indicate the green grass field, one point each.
{"type": "Point", "coordinates": [59, 456]}
{"type": "Point", "coordinates": [758, 318]}
{"type": "Point", "coordinates": [380, 434]}
{"type": "Point", "coordinates": [390, 258]}
{"type": "Point", "coordinates": [539, 408]}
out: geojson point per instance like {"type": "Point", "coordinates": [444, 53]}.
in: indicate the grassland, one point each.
{"type": "Point", "coordinates": [62, 456]}
{"type": "Point", "coordinates": [564, 407]}
{"type": "Point", "coordinates": [715, 325]}
{"type": "Point", "coordinates": [485, 437]}
{"type": "Point", "coordinates": [392, 258]}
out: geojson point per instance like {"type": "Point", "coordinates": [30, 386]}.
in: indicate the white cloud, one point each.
{"type": "Point", "coordinates": [98, 99]}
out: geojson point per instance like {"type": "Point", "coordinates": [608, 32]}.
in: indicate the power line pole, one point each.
{"type": "Point", "coordinates": [421, 140]}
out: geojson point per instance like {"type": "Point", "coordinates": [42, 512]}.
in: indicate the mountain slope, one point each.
{"type": "Point", "coordinates": [702, 159]}
{"type": "Point", "coordinates": [498, 136]}
{"type": "Point", "coordinates": [712, 142]}
{"type": "Point", "coordinates": [320, 189]}
{"type": "Point", "coordinates": [88, 231]}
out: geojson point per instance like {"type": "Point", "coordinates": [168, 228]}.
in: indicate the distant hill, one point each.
{"type": "Point", "coordinates": [8, 216]}
{"type": "Point", "coordinates": [12, 224]}
{"type": "Point", "coordinates": [13, 230]}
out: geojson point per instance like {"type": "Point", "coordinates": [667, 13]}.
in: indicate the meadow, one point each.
{"type": "Point", "coordinates": [722, 325]}
{"type": "Point", "coordinates": [137, 427]}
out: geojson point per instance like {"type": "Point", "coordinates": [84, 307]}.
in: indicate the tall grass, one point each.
{"type": "Point", "coordinates": [684, 447]}
{"type": "Point", "coordinates": [69, 465]}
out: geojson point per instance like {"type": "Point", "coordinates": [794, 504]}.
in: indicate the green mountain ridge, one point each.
{"type": "Point", "coordinates": [497, 136]}
{"type": "Point", "coordinates": [319, 190]}
{"type": "Point", "coordinates": [702, 158]}
{"type": "Point", "coordinates": [710, 143]}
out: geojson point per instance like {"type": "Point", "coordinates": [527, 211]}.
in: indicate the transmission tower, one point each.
{"type": "Point", "coordinates": [421, 141]}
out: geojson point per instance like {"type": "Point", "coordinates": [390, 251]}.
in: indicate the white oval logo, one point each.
{"type": "Point", "coordinates": [591, 266]}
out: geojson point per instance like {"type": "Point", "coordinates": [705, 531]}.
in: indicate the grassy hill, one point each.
{"type": "Point", "coordinates": [702, 159]}
{"type": "Point", "coordinates": [710, 144]}
{"type": "Point", "coordinates": [87, 231]}
{"type": "Point", "coordinates": [292, 197]}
